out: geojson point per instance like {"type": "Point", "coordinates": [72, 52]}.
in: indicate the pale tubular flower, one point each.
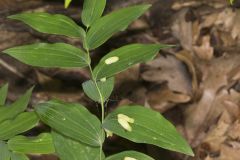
{"type": "Point", "coordinates": [109, 133]}
{"type": "Point", "coordinates": [111, 60]}
{"type": "Point", "coordinates": [103, 79]}
{"type": "Point", "coordinates": [129, 158]}
{"type": "Point", "coordinates": [124, 121]}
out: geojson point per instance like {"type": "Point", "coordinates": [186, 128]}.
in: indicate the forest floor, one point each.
{"type": "Point", "coordinates": [196, 85]}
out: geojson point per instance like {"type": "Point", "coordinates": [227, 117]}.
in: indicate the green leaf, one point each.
{"type": "Point", "coordinates": [69, 149]}
{"type": "Point", "coordinates": [49, 55]}
{"type": "Point", "coordinates": [9, 112]}
{"type": "Point", "coordinates": [72, 120]}
{"type": "Point", "coordinates": [22, 123]}
{"type": "Point", "coordinates": [125, 57]}
{"type": "Point", "coordinates": [67, 3]}
{"type": "Point", "coordinates": [112, 23]}
{"type": "Point", "coordinates": [105, 87]}
{"type": "Point", "coordinates": [4, 152]}
{"type": "Point", "coordinates": [143, 125]}
{"type": "Point", "coordinates": [51, 24]}
{"type": "Point", "coordinates": [18, 156]}
{"type": "Point", "coordinates": [129, 154]}
{"type": "Point", "coordinates": [92, 11]}
{"type": "Point", "coordinates": [42, 144]}
{"type": "Point", "coordinates": [3, 94]}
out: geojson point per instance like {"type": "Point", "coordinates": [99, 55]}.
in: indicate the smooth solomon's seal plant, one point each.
{"type": "Point", "coordinates": [76, 133]}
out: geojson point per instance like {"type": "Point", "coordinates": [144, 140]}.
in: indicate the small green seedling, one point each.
{"type": "Point", "coordinates": [77, 134]}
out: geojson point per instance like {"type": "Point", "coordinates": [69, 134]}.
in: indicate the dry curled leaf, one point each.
{"type": "Point", "coordinates": [187, 59]}
{"type": "Point", "coordinates": [183, 30]}
{"type": "Point", "coordinates": [161, 98]}
{"type": "Point", "coordinates": [205, 50]}
{"type": "Point", "coordinates": [168, 69]}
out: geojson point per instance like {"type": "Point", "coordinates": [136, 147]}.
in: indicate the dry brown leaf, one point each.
{"type": "Point", "coordinates": [180, 5]}
{"type": "Point", "coordinates": [48, 82]}
{"type": "Point", "coordinates": [163, 99]}
{"type": "Point", "coordinates": [196, 114]}
{"type": "Point", "coordinates": [209, 108]}
{"type": "Point", "coordinates": [216, 136]}
{"type": "Point", "coordinates": [183, 30]}
{"type": "Point", "coordinates": [234, 131]}
{"type": "Point", "coordinates": [209, 20]}
{"type": "Point", "coordinates": [186, 57]}
{"type": "Point", "coordinates": [131, 74]}
{"type": "Point", "coordinates": [234, 75]}
{"type": "Point", "coordinates": [226, 19]}
{"type": "Point", "coordinates": [168, 69]}
{"type": "Point", "coordinates": [228, 153]}
{"type": "Point", "coordinates": [209, 158]}
{"type": "Point", "coordinates": [68, 96]}
{"type": "Point", "coordinates": [203, 113]}
{"type": "Point", "coordinates": [191, 3]}
{"type": "Point", "coordinates": [236, 25]}
{"type": "Point", "coordinates": [205, 50]}
{"type": "Point", "coordinates": [233, 144]}
{"type": "Point", "coordinates": [139, 24]}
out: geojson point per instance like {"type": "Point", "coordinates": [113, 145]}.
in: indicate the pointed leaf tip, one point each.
{"type": "Point", "coordinates": [54, 55]}
{"type": "Point", "coordinates": [51, 24]}
{"type": "Point", "coordinates": [16, 107]}
{"type": "Point", "coordinates": [108, 25]}
{"type": "Point", "coordinates": [92, 11]}
{"type": "Point", "coordinates": [67, 3]}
